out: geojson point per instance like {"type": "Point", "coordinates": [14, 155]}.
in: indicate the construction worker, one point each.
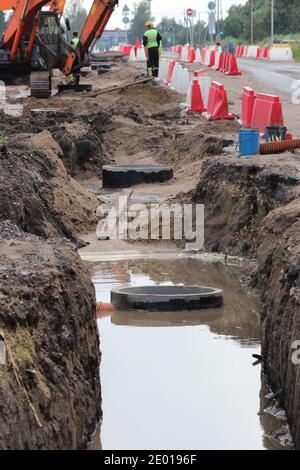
{"type": "Point", "coordinates": [74, 44]}
{"type": "Point", "coordinates": [152, 41]}
{"type": "Point", "coordinates": [75, 40]}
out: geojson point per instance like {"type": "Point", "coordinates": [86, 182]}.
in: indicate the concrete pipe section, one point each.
{"type": "Point", "coordinates": [166, 298]}
{"type": "Point", "coordinates": [114, 176]}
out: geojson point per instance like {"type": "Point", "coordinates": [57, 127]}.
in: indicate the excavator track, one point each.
{"type": "Point", "coordinates": [40, 84]}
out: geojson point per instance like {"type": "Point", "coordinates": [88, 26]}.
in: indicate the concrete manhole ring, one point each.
{"type": "Point", "coordinates": [166, 298]}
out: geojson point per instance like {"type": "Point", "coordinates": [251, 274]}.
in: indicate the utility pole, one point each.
{"type": "Point", "coordinates": [272, 21]}
{"type": "Point", "coordinates": [251, 22]}
{"type": "Point", "coordinates": [186, 23]}
{"type": "Point", "coordinates": [218, 17]}
{"type": "Point", "coordinates": [192, 31]}
{"type": "Point", "coordinates": [150, 10]}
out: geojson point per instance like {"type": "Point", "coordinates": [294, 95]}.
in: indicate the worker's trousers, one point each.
{"type": "Point", "coordinates": [153, 60]}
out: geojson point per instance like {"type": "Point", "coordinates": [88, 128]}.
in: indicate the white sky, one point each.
{"type": "Point", "coordinates": [167, 8]}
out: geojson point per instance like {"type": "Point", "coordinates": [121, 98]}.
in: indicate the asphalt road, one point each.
{"type": "Point", "coordinates": [280, 76]}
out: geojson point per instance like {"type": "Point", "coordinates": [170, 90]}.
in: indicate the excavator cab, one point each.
{"type": "Point", "coordinates": [51, 48]}
{"type": "Point", "coordinates": [49, 28]}
{"type": "Point", "coordinates": [49, 52]}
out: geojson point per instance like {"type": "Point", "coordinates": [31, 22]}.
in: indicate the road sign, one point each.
{"type": "Point", "coordinates": [211, 6]}
{"type": "Point", "coordinates": [125, 11]}
{"type": "Point", "coordinates": [126, 20]}
{"type": "Point", "coordinates": [189, 12]}
{"type": "Point", "coordinates": [211, 23]}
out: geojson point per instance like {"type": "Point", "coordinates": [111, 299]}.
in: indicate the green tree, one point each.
{"type": "Point", "coordinates": [286, 19]}
{"type": "Point", "coordinates": [235, 24]}
{"type": "Point", "coordinates": [141, 14]}
{"type": "Point", "coordinates": [2, 23]}
{"type": "Point", "coordinates": [200, 30]}
{"type": "Point", "coordinates": [77, 15]}
{"type": "Point", "coordinates": [170, 31]}
{"type": "Point", "coordinates": [287, 16]}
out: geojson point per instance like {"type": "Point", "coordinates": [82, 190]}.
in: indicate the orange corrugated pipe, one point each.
{"type": "Point", "coordinates": [103, 307]}
{"type": "Point", "coordinates": [279, 147]}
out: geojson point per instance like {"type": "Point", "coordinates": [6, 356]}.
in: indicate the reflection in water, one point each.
{"type": "Point", "coordinates": [152, 319]}
{"type": "Point", "coordinates": [181, 380]}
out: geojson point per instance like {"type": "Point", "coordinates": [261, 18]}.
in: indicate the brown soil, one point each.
{"type": "Point", "coordinates": [36, 192]}
{"type": "Point", "coordinates": [50, 392]}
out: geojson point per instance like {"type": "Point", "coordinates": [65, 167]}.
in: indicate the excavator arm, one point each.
{"type": "Point", "coordinates": [100, 13]}
{"type": "Point", "coordinates": [8, 4]}
{"type": "Point", "coordinates": [58, 5]}
{"type": "Point", "coordinates": [21, 22]}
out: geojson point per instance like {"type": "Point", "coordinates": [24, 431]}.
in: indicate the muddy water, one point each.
{"type": "Point", "coordinates": [182, 380]}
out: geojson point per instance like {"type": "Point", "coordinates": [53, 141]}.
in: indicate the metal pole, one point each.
{"type": "Point", "coordinates": [150, 12]}
{"type": "Point", "coordinates": [251, 22]}
{"type": "Point", "coordinates": [272, 21]}
{"type": "Point", "coordinates": [218, 16]}
{"type": "Point", "coordinates": [187, 28]}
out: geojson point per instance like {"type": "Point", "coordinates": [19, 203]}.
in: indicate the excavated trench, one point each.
{"type": "Point", "coordinates": [252, 210]}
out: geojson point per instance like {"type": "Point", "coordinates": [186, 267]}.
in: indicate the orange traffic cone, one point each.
{"type": "Point", "coordinates": [197, 105]}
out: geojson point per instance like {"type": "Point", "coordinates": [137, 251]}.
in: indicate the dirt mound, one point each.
{"type": "Point", "coordinates": [50, 392]}
{"type": "Point", "coordinates": [205, 138]}
{"type": "Point", "coordinates": [80, 137]}
{"type": "Point", "coordinates": [144, 99]}
{"type": "Point", "coordinates": [30, 124]}
{"type": "Point", "coordinates": [238, 194]}
{"type": "Point", "coordinates": [151, 96]}
{"type": "Point", "coordinates": [37, 193]}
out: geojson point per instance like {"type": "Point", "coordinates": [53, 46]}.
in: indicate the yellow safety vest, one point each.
{"type": "Point", "coordinates": [74, 42]}
{"type": "Point", "coordinates": [151, 35]}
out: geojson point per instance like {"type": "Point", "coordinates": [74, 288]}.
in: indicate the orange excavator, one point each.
{"type": "Point", "coordinates": [34, 41]}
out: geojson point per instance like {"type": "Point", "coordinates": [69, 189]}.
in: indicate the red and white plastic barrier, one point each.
{"type": "Point", "coordinates": [267, 111]}
{"type": "Point", "coordinates": [261, 110]}
{"type": "Point", "coordinates": [217, 106]}
{"type": "Point", "coordinates": [248, 98]}
{"type": "Point", "coordinates": [204, 84]}
{"type": "Point", "coordinates": [280, 54]}
{"type": "Point", "coordinates": [210, 56]}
